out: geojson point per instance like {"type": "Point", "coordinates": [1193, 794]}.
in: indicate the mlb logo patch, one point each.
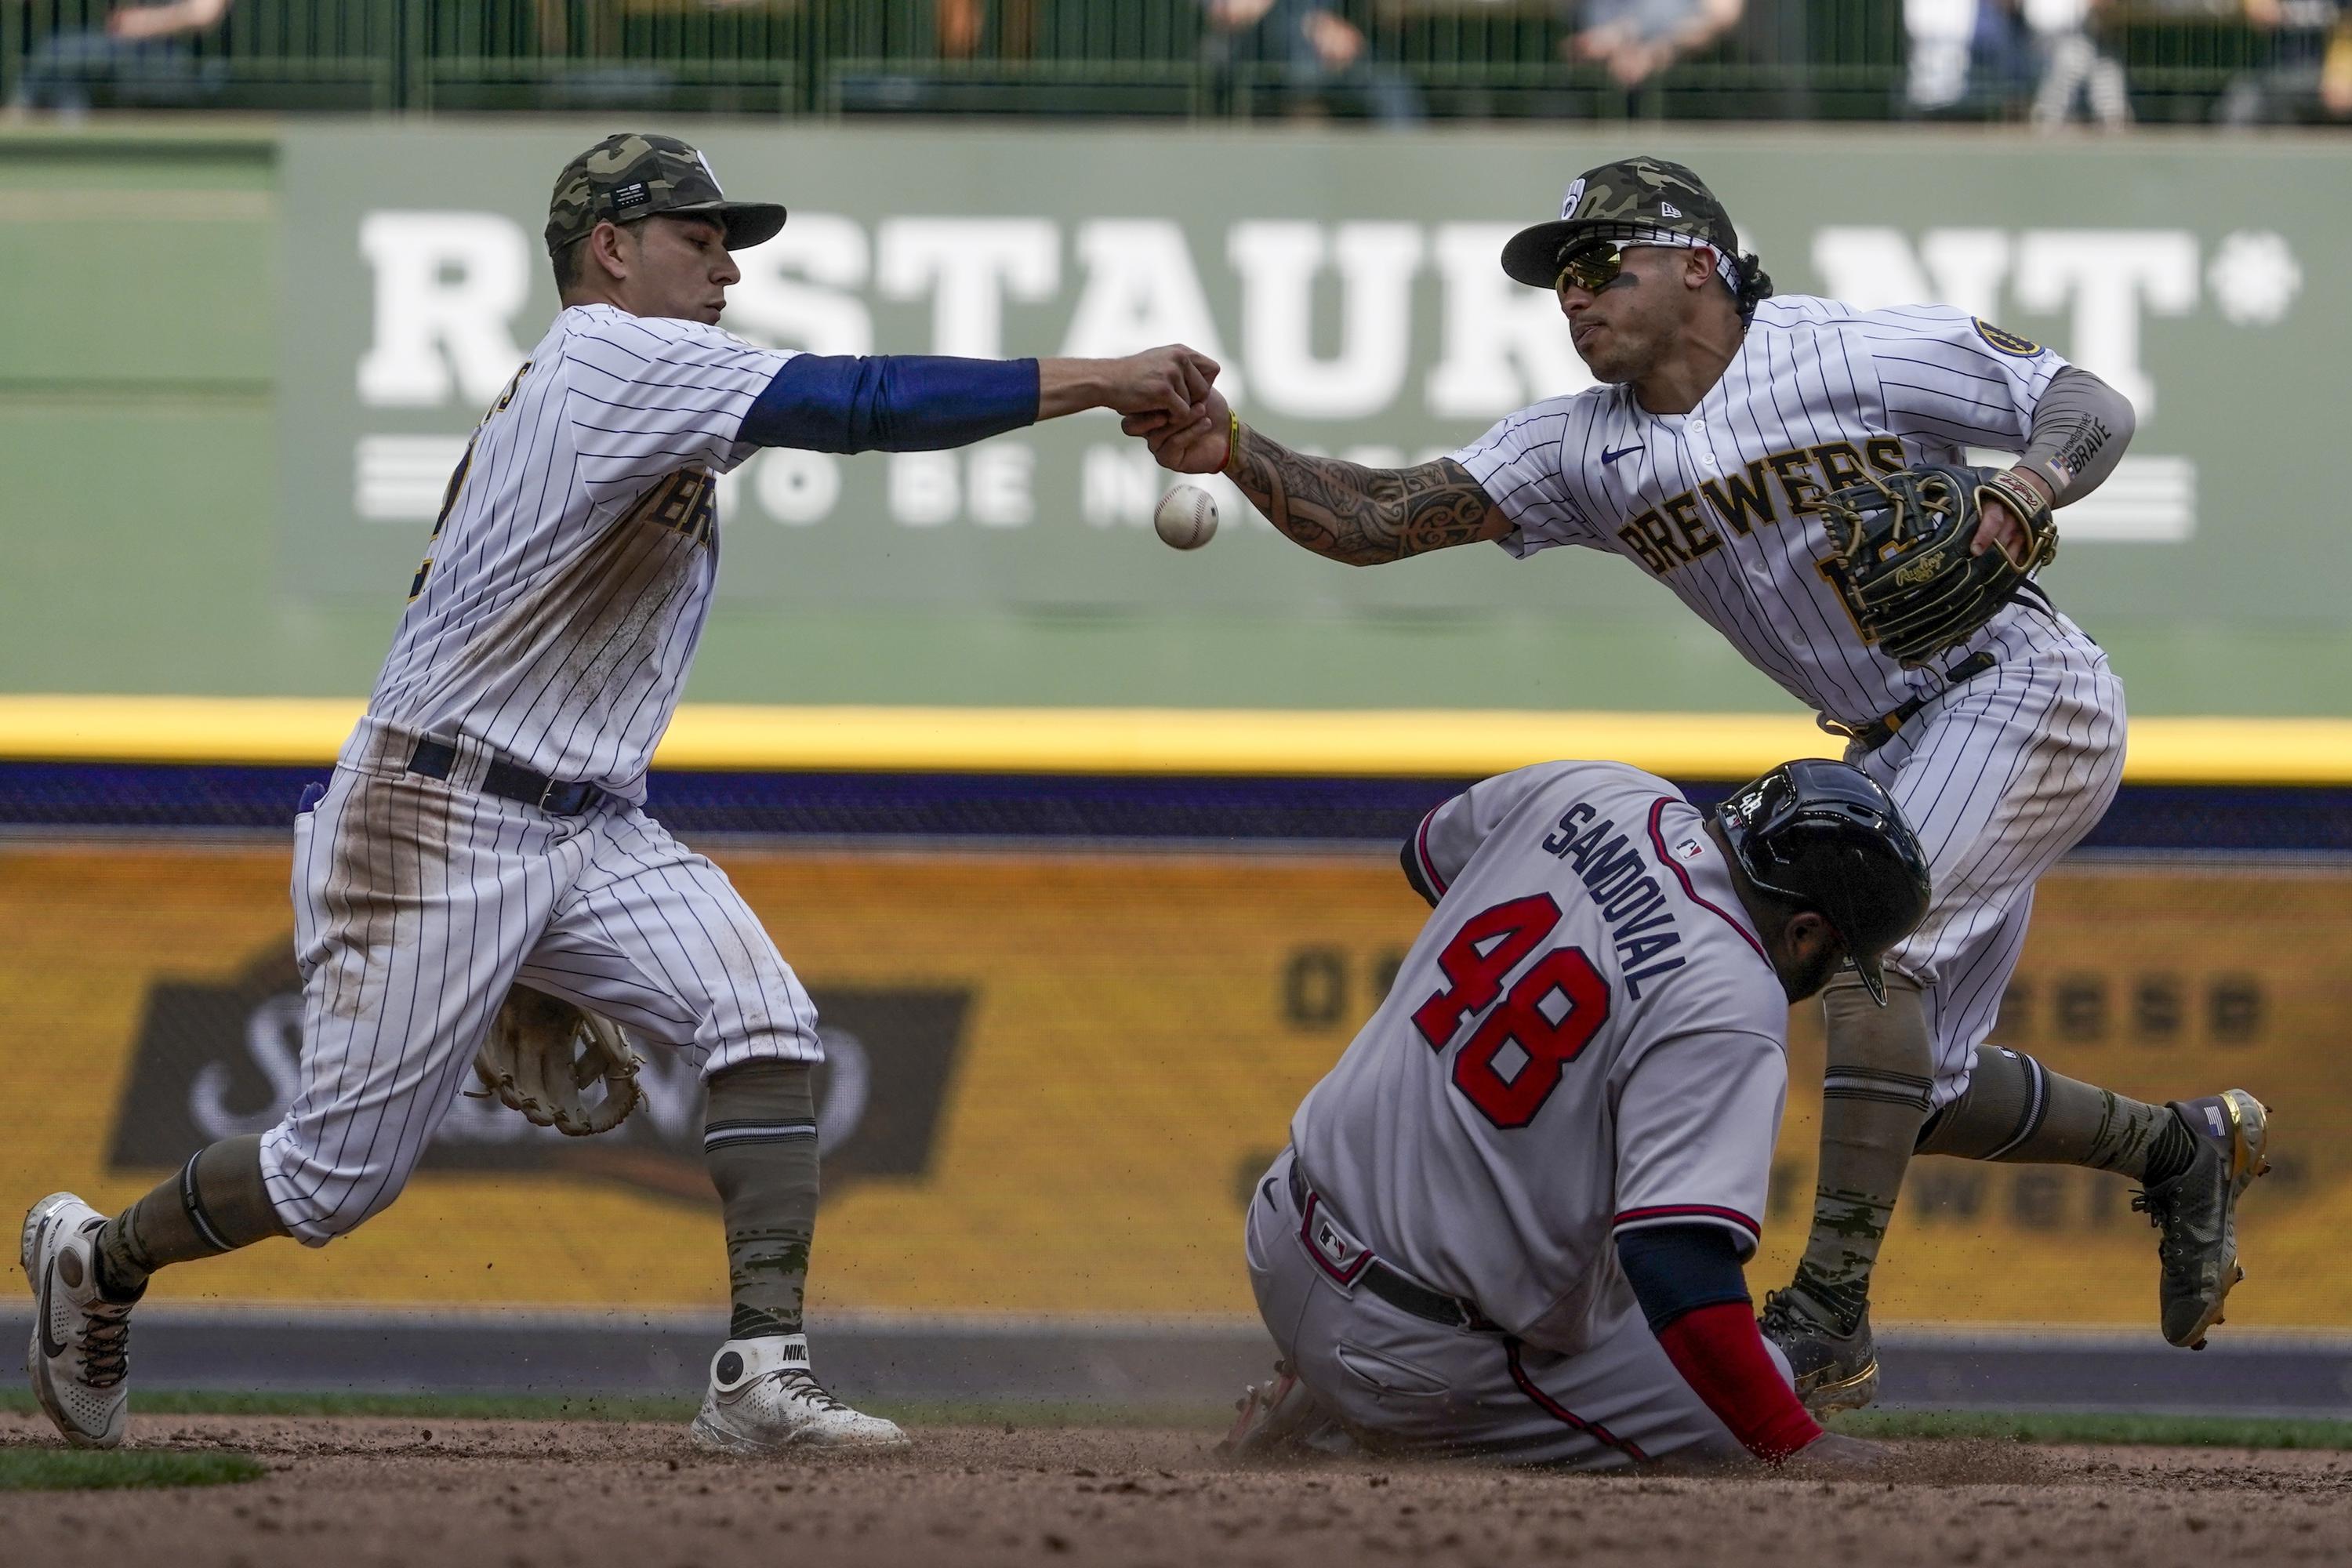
{"type": "Point", "coordinates": [1688, 849]}
{"type": "Point", "coordinates": [1339, 1250]}
{"type": "Point", "coordinates": [1337, 1253]}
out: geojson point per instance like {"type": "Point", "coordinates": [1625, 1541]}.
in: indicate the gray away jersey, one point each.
{"type": "Point", "coordinates": [1586, 1037]}
{"type": "Point", "coordinates": [557, 612]}
{"type": "Point", "coordinates": [1722, 503]}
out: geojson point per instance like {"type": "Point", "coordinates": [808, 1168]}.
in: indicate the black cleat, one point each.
{"type": "Point", "coordinates": [2196, 1211]}
{"type": "Point", "coordinates": [1834, 1370]}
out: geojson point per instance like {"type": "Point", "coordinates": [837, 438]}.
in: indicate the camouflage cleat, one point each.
{"type": "Point", "coordinates": [1282, 1419]}
{"type": "Point", "coordinates": [2196, 1211]}
{"type": "Point", "coordinates": [1833, 1370]}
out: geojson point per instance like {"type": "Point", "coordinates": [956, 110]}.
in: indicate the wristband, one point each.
{"type": "Point", "coordinates": [2033, 514]}
{"type": "Point", "coordinates": [1233, 441]}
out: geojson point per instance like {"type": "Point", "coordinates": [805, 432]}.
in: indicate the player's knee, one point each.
{"type": "Point", "coordinates": [351, 1209]}
{"type": "Point", "coordinates": [318, 1201]}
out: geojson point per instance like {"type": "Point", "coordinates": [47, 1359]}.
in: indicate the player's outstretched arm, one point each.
{"type": "Point", "coordinates": [1349, 512]}
{"type": "Point", "coordinates": [916, 402]}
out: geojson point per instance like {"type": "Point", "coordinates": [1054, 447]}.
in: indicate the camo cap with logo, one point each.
{"type": "Point", "coordinates": [635, 174]}
{"type": "Point", "coordinates": [1632, 201]}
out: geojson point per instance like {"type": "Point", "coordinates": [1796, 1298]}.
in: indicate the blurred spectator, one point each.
{"type": "Point", "coordinates": [1323, 61]}
{"type": "Point", "coordinates": [2310, 74]}
{"type": "Point", "coordinates": [959, 24]}
{"type": "Point", "coordinates": [1939, 33]}
{"type": "Point", "coordinates": [2072, 63]}
{"type": "Point", "coordinates": [1968, 57]}
{"type": "Point", "coordinates": [1636, 40]}
{"type": "Point", "coordinates": [140, 56]}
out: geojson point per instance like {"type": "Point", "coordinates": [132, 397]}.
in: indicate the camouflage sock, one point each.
{"type": "Point", "coordinates": [760, 1138]}
{"type": "Point", "coordinates": [2019, 1111]}
{"type": "Point", "coordinates": [215, 1205]}
{"type": "Point", "coordinates": [1873, 1097]}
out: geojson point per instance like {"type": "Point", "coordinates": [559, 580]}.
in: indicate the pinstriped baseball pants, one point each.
{"type": "Point", "coordinates": [1998, 777]}
{"type": "Point", "coordinates": [419, 902]}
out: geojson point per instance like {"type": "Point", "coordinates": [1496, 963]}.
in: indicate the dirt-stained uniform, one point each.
{"type": "Point", "coordinates": [1586, 1038]}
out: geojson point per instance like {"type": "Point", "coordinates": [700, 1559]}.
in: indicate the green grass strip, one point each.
{"type": "Point", "coordinates": [447, 1406]}
{"type": "Point", "coordinates": [2170, 1431]}
{"type": "Point", "coordinates": [2180, 1431]}
{"type": "Point", "coordinates": [95, 1469]}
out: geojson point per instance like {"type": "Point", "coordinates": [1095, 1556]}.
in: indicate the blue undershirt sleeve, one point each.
{"type": "Point", "coordinates": [891, 403]}
{"type": "Point", "coordinates": [1678, 1268]}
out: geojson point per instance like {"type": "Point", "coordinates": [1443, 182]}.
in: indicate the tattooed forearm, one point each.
{"type": "Point", "coordinates": [1358, 515]}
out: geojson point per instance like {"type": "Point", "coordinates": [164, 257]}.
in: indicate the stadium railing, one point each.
{"type": "Point", "coordinates": [1438, 58]}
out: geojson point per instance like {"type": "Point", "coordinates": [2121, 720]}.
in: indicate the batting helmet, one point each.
{"type": "Point", "coordinates": [1824, 834]}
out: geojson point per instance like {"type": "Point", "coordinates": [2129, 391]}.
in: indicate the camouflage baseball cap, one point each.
{"type": "Point", "coordinates": [635, 174]}
{"type": "Point", "coordinates": [1629, 201]}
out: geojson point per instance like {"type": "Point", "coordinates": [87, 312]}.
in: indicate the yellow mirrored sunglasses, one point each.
{"type": "Point", "coordinates": [1590, 266]}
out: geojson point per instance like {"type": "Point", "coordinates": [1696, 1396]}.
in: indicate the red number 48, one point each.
{"type": "Point", "coordinates": [1490, 944]}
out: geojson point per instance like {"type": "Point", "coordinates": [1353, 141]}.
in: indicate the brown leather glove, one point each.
{"type": "Point", "coordinates": [541, 1053]}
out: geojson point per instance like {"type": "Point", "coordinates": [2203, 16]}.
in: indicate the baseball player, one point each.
{"type": "Point", "coordinates": [1724, 420]}
{"type": "Point", "coordinates": [484, 828]}
{"type": "Point", "coordinates": [1511, 1220]}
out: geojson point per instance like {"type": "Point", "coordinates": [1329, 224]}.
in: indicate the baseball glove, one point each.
{"type": "Point", "coordinates": [541, 1053]}
{"type": "Point", "coordinates": [1903, 563]}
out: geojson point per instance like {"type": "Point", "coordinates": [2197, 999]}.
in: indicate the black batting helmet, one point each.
{"type": "Point", "coordinates": [1824, 834]}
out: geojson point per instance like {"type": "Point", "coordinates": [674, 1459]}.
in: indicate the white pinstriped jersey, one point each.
{"type": "Point", "coordinates": [1585, 1038]}
{"type": "Point", "coordinates": [1721, 503]}
{"type": "Point", "coordinates": [568, 576]}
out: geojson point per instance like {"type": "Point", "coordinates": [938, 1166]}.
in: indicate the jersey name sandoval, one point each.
{"type": "Point", "coordinates": [1586, 1037]}
{"type": "Point", "coordinates": [1722, 504]}
{"type": "Point", "coordinates": [566, 584]}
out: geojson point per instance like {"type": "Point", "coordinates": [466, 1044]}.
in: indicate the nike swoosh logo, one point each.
{"type": "Point", "coordinates": [50, 1348]}
{"type": "Point", "coordinates": [1608, 456]}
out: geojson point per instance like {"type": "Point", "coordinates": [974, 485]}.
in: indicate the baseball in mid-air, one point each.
{"type": "Point", "coordinates": [1186, 516]}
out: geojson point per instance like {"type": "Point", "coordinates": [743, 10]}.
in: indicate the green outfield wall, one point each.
{"type": "Point", "coordinates": [237, 364]}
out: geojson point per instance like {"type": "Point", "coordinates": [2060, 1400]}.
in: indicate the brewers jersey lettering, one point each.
{"type": "Point", "coordinates": [1998, 775]}
{"type": "Point", "coordinates": [1586, 1038]}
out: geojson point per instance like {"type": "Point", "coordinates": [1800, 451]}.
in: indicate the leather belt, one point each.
{"type": "Point", "coordinates": [511, 781]}
{"type": "Point", "coordinates": [1881, 730]}
{"type": "Point", "coordinates": [1403, 1294]}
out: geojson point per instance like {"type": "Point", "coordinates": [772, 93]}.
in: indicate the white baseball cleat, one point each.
{"type": "Point", "coordinates": [79, 1357]}
{"type": "Point", "coordinates": [762, 1399]}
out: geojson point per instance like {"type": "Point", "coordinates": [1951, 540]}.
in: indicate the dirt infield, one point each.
{"type": "Point", "coordinates": [350, 1493]}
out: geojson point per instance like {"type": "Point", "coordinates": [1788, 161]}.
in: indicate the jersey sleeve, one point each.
{"type": "Point", "coordinates": [1696, 1120]}
{"type": "Point", "coordinates": [649, 396]}
{"type": "Point", "coordinates": [1948, 376]}
{"type": "Point", "coordinates": [1520, 465]}
{"type": "Point", "coordinates": [1452, 831]}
